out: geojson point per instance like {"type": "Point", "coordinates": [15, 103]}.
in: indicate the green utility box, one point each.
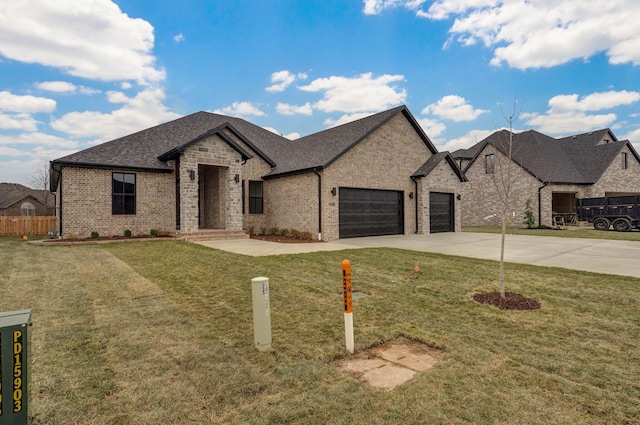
{"type": "Point", "coordinates": [14, 367]}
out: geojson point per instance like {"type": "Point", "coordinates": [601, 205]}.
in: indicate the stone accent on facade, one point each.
{"type": "Point", "coordinates": [89, 191]}
{"type": "Point", "coordinates": [214, 165]}
{"type": "Point", "coordinates": [253, 170]}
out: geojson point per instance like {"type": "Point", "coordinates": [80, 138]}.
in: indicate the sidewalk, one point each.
{"type": "Point", "coordinates": [593, 255]}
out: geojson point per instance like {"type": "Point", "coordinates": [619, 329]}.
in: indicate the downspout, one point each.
{"type": "Point", "coordinates": [415, 197]}
{"type": "Point", "coordinates": [57, 207]}
{"type": "Point", "coordinates": [540, 203]}
{"type": "Point", "coordinates": [319, 203]}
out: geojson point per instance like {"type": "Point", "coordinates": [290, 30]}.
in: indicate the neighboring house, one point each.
{"type": "Point", "coordinates": [552, 173]}
{"type": "Point", "coordinates": [19, 200]}
{"type": "Point", "coordinates": [378, 175]}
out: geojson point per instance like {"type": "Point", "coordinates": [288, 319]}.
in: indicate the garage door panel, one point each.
{"type": "Point", "coordinates": [441, 216]}
{"type": "Point", "coordinates": [369, 212]}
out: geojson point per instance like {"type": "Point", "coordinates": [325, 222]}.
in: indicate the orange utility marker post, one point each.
{"type": "Point", "coordinates": [348, 305]}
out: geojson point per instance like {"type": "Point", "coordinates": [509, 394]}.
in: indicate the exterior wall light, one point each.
{"type": "Point", "coordinates": [410, 195]}
{"type": "Point", "coordinates": [192, 174]}
{"type": "Point", "coordinates": [459, 197]}
{"type": "Point", "coordinates": [334, 191]}
{"type": "Point", "coordinates": [237, 178]}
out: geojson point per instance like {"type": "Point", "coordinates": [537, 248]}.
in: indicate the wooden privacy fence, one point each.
{"type": "Point", "coordinates": [18, 225]}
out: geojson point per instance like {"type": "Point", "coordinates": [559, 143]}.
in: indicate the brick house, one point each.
{"type": "Point", "coordinates": [19, 200]}
{"type": "Point", "coordinates": [551, 174]}
{"type": "Point", "coordinates": [378, 175]}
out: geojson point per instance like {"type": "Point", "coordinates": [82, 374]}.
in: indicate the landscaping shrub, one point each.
{"type": "Point", "coordinates": [94, 235]}
{"type": "Point", "coordinates": [127, 233]}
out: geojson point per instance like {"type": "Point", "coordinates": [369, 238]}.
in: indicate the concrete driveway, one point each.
{"type": "Point", "coordinates": [594, 255]}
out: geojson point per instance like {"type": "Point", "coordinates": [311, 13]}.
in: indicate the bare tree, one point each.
{"type": "Point", "coordinates": [39, 180]}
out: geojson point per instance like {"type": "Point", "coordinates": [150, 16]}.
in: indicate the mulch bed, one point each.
{"type": "Point", "coordinates": [512, 301]}
{"type": "Point", "coordinates": [282, 239]}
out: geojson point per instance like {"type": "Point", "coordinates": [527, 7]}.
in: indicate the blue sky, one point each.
{"type": "Point", "coordinates": [75, 73]}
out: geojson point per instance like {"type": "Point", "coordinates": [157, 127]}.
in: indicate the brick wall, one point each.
{"type": "Point", "coordinates": [87, 198]}
{"type": "Point", "coordinates": [383, 160]}
{"type": "Point", "coordinates": [211, 152]}
{"type": "Point", "coordinates": [292, 203]}
{"type": "Point", "coordinates": [483, 194]}
{"type": "Point", "coordinates": [442, 179]}
{"type": "Point", "coordinates": [254, 169]}
{"type": "Point", "coordinates": [617, 179]}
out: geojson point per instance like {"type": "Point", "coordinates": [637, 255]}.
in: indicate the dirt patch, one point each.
{"type": "Point", "coordinates": [282, 239]}
{"type": "Point", "coordinates": [388, 365]}
{"type": "Point", "coordinates": [512, 301]}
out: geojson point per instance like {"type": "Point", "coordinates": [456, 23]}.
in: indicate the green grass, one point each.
{"type": "Point", "coordinates": [568, 232]}
{"type": "Point", "coordinates": [161, 333]}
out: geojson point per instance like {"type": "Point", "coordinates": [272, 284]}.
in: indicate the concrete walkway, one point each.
{"type": "Point", "coordinates": [594, 255]}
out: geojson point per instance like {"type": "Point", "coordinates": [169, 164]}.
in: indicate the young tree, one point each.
{"type": "Point", "coordinates": [504, 183]}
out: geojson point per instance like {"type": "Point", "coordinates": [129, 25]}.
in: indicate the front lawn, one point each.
{"type": "Point", "coordinates": [161, 333]}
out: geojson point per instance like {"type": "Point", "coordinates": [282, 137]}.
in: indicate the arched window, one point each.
{"type": "Point", "coordinates": [27, 209]}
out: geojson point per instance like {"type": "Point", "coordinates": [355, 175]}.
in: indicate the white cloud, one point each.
{"type": "Point", "coordinates": [570, 113]}
{"type": "Point", "coordinates": [143, 111]}
{"type": "Point", "coordinates": [286, 109]}
{"type": "Point", "coordinates": [65, 87]}
{"type": "Point", "coordinates": [363, 93]}
{"type": "Point", "coordinates": [568, 122]}
{"type": "Point", "coordinates": [466, 141]}
{"type": "Point", "coordinates": [432, 128]}
{"type": "Point", "coordinates": [125, 85]}
{"type": "Point", "coordinates": [38, 139]}
{"type": "Point", "coordinates": [179, 38]}
{"type": "Point", "coordinates": [633, 136]}
{"type": "Point", "coordinates": [536, 33]}
{"type": "Point", "coordinates": [453, 108]}
{"type": "Point", "coordinates": [375, 7]}
{"type": "Point", "coordinates": [346, 118]}
{"type": "Point", "coordinates": [593, 102]}
{"type": "Point", "coordinates": [91, 39]}
{"type": "Point", "coordinates": [57, 86]}
{"type": "Point", "coordinates": [24, 122]}
{"type": "Point", "coordinates": [290, 136]}
{"type": "Point", "coordinates": [240, 109]}
{"type": "Point", "coordinates": [31, 104]}
{"type": "Point", "coordinates": [117, 97]}
{"type": "Point", "coordinates": [282, 79]}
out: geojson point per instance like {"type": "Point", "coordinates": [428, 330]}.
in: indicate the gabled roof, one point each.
{"type": "Point", "coordinates": [319, 150]}
{"type": "Point", "coordinates": [579, 159]}
{"type": "Point", "coordinates": [11, 193]}
{"type": "Point", "coordinates": [150, 149]}
{"type": "Point", "coordinates": [215, 132]}
{"type": "Point", "coordinates": [431, 164]}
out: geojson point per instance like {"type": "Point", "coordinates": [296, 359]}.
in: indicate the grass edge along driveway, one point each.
{"type": "Point", "coordinates": [152, 333]}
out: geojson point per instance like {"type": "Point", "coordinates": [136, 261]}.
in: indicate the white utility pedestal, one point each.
{"type": "Point", "coordinates": [261, 313]}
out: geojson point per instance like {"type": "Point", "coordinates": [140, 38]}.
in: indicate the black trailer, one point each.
{"type": "Point", "coordinates": [621, 212]}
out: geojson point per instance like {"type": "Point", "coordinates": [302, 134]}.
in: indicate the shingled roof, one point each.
{"type": "Point", "coordinates": [319, 150]}
{"type": "Point", "coordinates": [431, 164]}
{"type": "Point", "coordinates": [11, 193]}
{"type": "Point", "coordinates": [150, 149]}
{"type": "Point", "coordinates": [579, 159]}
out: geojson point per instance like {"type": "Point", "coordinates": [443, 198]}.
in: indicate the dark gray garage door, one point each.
{"type": "Point", "coordinates": [441, 212]}
{"type": "Point", "coordinates": [368, 212]}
